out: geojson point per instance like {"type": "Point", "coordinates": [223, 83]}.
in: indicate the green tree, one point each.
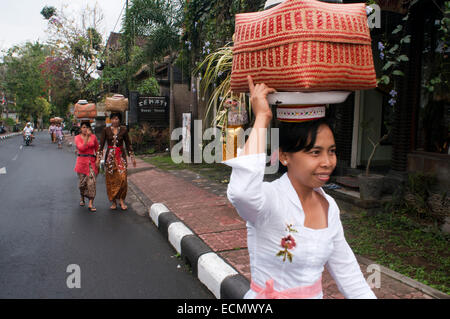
{"type": "Point", "coordinates": [149, 87]}
{"type": "Point", "coordinates": [23, 78]}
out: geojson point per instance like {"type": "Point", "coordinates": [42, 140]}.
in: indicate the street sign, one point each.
{"type": "Point", "coordinates": [154, 110]}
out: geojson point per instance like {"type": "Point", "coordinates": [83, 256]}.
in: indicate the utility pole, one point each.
{"type": "Point", "coordinates": [127, 58]}
{"type": "Point", "coordinates": [127, 54]}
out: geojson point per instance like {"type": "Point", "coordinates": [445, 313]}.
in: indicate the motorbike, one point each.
{"type": "Point", "coordinates": [28, 140]}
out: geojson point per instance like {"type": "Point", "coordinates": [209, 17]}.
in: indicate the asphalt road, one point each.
{"type": "Point", "coordinates": [43, 231]}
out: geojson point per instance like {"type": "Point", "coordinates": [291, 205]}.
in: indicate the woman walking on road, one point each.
{"type": "Point", "coordinates": [51, 130]}
{"type": "Point", "coordinates": [293, 226]}
{"type": "Point", "coordinates": [59, 134]}
{"type": "Point", "coordinates": [116, 160]}
{"type": "Point", "coordinates": [86, 165]}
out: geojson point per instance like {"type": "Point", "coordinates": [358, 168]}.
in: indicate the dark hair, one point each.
{"type": "Point", "coordinates": [114, 114]}
{"type": "Point", "coordinates": [295, 137]}
{"type": "Point", "coordinates": [88, 124]}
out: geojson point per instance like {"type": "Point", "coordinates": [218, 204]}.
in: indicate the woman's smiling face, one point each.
{"type": "Point", "coordinates": [313, 168]}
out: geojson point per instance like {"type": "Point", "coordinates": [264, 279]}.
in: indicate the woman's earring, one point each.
{"type": "Point", "coordinates": [285, 162]}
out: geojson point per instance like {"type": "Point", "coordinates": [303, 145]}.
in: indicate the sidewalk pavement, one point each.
{"type": "Point", "coordinates": [7, 135]}
{"type": "Point", "coordinates": [198, 208]}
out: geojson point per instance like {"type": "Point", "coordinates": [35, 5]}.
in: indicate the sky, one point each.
{"type": "Point", "coordinates": [21, 21]}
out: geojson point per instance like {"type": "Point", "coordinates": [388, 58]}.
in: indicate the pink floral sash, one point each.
{"type": "Point", "coordinates": [303, 292]}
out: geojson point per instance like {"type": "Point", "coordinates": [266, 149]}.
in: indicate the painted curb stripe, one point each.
{"type": "Point", "coordinates": [156, 210]}
{"type": "Point", "coordinates": [176, 232]}
{"type": "Point", "coordinates": [212, 270]}
{"type": "Point", "coordinates": [192, 247]}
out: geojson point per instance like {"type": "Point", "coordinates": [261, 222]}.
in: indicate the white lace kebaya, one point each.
{"type": "Point", "coordinates": [286, 256]}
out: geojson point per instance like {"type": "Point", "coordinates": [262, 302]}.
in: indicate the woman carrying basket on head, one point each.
{"type": "Point", "coordinates": [86, 165]}
{"type": "Point", "coordinates": [293, 226]}
{"type": "Point", "coordinates": [115, 136]}
{"type": "Point", "coordinates": [51, 130]}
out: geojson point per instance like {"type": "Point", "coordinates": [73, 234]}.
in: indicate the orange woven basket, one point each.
{"type": "Point", "coordinates": [116, 103]}
{"type": "Point", "coordinates": [85, 110]}
{"type": "Point", "coordinates": [304, 45]}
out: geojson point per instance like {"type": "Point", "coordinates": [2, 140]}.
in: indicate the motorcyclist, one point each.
{"type": "Point", "coordinates": [28, 130]}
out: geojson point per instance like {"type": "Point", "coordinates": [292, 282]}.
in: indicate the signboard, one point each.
{"type": "Point", "coordinates": [154, 110]}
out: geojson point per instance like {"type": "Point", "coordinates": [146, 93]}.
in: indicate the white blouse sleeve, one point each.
{"type": "Point", "coordinates": [345, 270]}
{"type": "Point", "coordinates": [251, 197]}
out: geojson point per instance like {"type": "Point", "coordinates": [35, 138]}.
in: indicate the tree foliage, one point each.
{"type": "Point", "coordinates": [209, 24]}
{"type": "Point", "coordinates": [80, 44]}
{"type": "Point", "coordinates": [23, 79]}
{"type": "Point", "coordinates": [48, 12]}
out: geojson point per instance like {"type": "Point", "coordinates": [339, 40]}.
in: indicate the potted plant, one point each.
{"type": "Point", "coordinates": [390, 53]}
{"type": "Point", "coordinates": [371, 185]}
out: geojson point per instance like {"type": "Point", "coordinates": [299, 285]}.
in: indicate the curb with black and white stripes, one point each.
{"type": "Point", "coordinates": [212, 271]}
{"type": "Point", "coordinates": [3, 137]}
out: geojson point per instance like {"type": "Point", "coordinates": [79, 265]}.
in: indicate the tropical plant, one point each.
{"type": "Point", "coordinates": [215, 72]}
{"type": "Point", "coordinates": [161, 22]}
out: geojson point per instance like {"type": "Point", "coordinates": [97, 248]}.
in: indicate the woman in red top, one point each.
{"type": "Point", "coordinates": [86, 165]}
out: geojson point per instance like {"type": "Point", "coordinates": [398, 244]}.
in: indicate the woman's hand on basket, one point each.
{"type": "Point", "coordinates": [256, 142]}
{"type": "Point", "coordinates": [258, 98]}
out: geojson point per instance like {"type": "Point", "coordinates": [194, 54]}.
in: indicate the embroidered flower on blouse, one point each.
{"type": "Point", "coordinates": [287, 243]}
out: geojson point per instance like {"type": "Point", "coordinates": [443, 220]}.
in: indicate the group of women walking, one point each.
{"type": "Point", "coordinates": [56, 133]}
{"type": "Point", "coordinates": [90, 152]}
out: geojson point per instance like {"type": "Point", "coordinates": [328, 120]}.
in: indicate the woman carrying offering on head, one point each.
{"type": "Point", "coordinates": [59, 134]}
{"type": "Point", "coordinates": [293, 226]}
{"type": "Point", "coordinates": [115, 136]}
{"type": "Point", "coordinates": [86, 166]}
{"type": "Point", "coordinates": [51, 130]}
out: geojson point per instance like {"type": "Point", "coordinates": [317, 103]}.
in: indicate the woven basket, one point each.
{"type": "Point", "coordinates": [57, 120]}
{"type": "Point", "coordinates": [304, 45]}
{"type": "Point", "coordinates": [83, 109]}
{"type": "Point", "coordinates": [116, 103]}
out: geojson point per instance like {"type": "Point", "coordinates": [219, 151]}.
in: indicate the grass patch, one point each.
{"type": "Point", "coordinates": [217, 172]}
{"type": "Point", "coordinates": [398, 242]}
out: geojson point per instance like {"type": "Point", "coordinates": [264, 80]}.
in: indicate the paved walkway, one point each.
{"type": "Point", "coordinates": [202, 205]}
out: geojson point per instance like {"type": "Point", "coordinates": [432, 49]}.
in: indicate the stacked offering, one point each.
{"type": "Point", "coordinates": [85, 110]}
{"type": "Point", "coordinates": [116, 103]}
